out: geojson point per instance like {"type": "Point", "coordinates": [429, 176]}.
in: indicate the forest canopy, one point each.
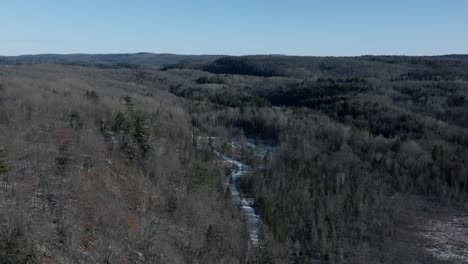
{"type": "Point", "coordinates": [108, 159]}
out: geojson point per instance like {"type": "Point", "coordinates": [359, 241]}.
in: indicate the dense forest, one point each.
{"type": "Point", "coordinates": [368, 160]}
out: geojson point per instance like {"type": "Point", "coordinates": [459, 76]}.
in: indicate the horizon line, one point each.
{"type": "Point", "coordinates": [236, 55]}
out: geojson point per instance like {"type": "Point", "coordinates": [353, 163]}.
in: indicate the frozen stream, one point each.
{"type": "Point", "coordinates": [246, 204]}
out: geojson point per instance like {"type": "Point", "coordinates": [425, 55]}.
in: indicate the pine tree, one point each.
{"type": "Point", "coordinates": [3, 162]}
{"type": "Point", "coordinates": [142, 135]}
{"type": "Point", "coordinates": [75, 120]}
{"type": "Point", "coordinates": [119, 121]}
{"type": "Point", "coordinates": [129, 104]}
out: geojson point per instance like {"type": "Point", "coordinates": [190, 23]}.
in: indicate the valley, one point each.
{"type": "Point", "coordinates": [221, 159]}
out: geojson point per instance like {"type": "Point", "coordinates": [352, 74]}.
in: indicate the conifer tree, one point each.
{"type": "Point", "coordinates": [3, 162]}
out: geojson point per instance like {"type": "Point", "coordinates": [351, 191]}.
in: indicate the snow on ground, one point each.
{"type": "Point", "coordinates": [448, 238]}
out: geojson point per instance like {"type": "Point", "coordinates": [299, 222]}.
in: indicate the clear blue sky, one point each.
{"type": "Point", "coordinates": [296, 27]}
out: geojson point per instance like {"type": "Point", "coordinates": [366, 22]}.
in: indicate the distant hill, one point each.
{"type": "Point", "coordinates": [408, 67]}
{"type": "Point", "coordinates": [133, 60]}
{"type": "Point", "coordinates": [344, 67]}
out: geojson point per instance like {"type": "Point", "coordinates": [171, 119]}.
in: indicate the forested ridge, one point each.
{"type": "Point", "coordinates": [107, 164]}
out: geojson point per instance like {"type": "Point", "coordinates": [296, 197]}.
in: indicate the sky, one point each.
{"type": "Point", "coordinates": [229, 27]}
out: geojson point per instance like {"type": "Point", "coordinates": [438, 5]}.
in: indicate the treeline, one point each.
{"type": "Point", "coordinates": [379, 67]}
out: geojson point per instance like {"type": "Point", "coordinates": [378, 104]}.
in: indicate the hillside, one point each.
{"type": "Point", "coordinates": [95, 168]}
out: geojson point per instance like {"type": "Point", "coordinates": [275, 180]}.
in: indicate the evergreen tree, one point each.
{"type": "Point", "coordinates": [142, 135]}
{"type": "Point", "coordinates": [3, 162]}
{"type": "Point", "coordinates": [75, 120]}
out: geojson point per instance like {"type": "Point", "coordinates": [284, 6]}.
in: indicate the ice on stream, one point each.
{"type": "Point", "coordinates": [246, 204]}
